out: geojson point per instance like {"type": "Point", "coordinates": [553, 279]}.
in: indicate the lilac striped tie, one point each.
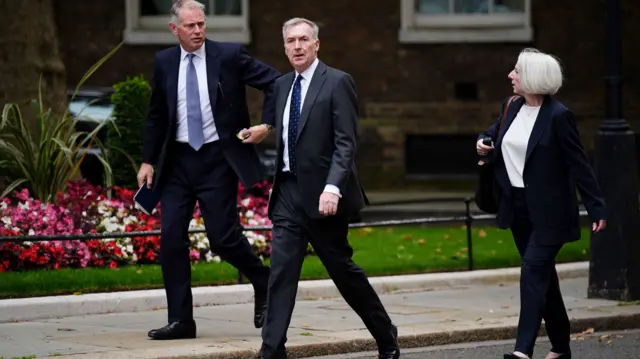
{"type": "Point", "coordinates": [194, 114]}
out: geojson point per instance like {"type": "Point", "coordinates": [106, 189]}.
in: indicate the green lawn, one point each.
{"type": "Point", "coordinates": [380, 251]}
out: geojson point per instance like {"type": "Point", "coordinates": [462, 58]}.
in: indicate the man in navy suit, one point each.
{"type": "Point", "coordinates": [197, 107]}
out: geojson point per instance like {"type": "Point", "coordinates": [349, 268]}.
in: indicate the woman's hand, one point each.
{"type": "Point", "coordinates": [482, 148]}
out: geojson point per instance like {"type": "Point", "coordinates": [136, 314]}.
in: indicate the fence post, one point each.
{"type": "Point", "coordinates": [468, 222]}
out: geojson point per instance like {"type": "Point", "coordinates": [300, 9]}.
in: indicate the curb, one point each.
{"type": "Point", "coordinates": [25, 309]}
{"type": "Point", "coordinates": [599, 324]}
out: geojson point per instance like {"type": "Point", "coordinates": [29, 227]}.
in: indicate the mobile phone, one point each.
{"type": "Point", "coordinates": [486, 141]}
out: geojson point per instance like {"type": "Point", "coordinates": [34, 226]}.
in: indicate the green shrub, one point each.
{"type": "Point", "coordinates": [130, 101]}
{"type": "Point", "coordinates": [45, 156]}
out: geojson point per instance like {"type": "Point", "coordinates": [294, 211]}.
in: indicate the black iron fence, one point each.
{"type": "Point", "coordinates": [468, 218]}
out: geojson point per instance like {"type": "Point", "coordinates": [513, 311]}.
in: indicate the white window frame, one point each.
{"type": "Point", "coordinates": [477, 28]}
{"type": "Point", "coordinates": [154, 30]}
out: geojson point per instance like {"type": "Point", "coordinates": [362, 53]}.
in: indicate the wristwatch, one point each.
{"type": "Point", "coordinates": [269, 127]}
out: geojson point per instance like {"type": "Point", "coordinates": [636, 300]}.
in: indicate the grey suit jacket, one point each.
{"type": "Point", "coordinates": [326, 140]}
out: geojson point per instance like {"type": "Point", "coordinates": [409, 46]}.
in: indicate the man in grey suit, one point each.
{"type": "Point", "coordinates": [316, 190]}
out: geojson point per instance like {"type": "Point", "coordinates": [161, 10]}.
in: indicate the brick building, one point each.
{"type": "Point", "coordinates": [430, 73]}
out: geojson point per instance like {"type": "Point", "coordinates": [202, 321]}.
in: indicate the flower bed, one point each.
{"type": "Point", "coordinates": [87, 209]}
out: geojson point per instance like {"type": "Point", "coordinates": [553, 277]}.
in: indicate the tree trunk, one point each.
{"type": "Point", "coordinates": [28, 50]}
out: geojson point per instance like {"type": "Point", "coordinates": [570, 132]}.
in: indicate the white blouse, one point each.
{"type": "Point", "coordinates": [515, 141]}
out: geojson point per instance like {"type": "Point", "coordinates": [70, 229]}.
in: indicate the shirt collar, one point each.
{"type": "Point", "coordinates": [199, 52]}
{"type": "Point", "coordinates": [308, 73]}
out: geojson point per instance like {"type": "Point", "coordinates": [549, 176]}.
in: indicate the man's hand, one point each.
{"type": "Point", "coordinates": [328, 203]}
{"type": "Point", "coordinates": [599, 226]}
{"type": "Point", "coordinates": [254, 134]}
{"type": "Point", "coordinates": [145, 174]}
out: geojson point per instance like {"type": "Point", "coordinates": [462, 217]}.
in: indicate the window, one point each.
{"type": "Point", "coordinates": [447, 21]}
{"type": "Point", "coordinates": [147, 21]}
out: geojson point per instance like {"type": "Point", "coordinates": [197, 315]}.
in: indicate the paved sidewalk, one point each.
{"type": "Point", "coordinates": [441, 315]}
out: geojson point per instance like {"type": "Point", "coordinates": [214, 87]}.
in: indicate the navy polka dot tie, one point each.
{"type": "Point", "coordinates": [294, 119]}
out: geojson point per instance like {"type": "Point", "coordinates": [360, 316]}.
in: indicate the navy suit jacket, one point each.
{"type": "Point", "coordinates": [229, 69]}
{"type": "Point", "coordinates": [555, 165]}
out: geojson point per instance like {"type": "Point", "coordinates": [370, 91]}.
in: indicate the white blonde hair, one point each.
{"type": "Point", "coordinates": [179, 5]}
{"type": "Point", "coordinates": [315, 30]}
{"type": "Point", "coordinates": [540, 73]}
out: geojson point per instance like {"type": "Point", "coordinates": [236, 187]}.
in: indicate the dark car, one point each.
{"type": "Point", "coordinates": [91, 106]}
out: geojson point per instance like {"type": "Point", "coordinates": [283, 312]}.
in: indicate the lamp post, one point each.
{"type": "Point", "coordinates": [614, 270]}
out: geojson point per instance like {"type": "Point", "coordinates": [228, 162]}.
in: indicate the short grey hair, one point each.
{"type": "Point", "coordinates": [540, 73]}
{"type": "Point", "coordinates": [300, 20]}
{"type": "Point", "coordinates": [178, 5]}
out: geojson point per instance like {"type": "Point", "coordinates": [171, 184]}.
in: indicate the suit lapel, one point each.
{"type": "Point", "coordinates": [512, 111]}
{"type": "Point", "coordinates": [281, 103]}
{"type": "Point", "coordinates": [213, 72]}
{"type": "Point", "coordinates": [318, 79]}
{"type": "Point", "coordinates": [541, 124]}
{"type": "Point", "coordinates": [172, 84]}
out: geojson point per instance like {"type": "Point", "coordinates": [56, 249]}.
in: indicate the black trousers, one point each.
{"type": "Point", "coordinates": [540, 296]}
{"type": "Point", "coordinates": [204, 176]}
{"type": "Point", "coordinates": [292, 231]}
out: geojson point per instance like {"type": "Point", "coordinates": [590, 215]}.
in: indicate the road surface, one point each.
{"type": "Point", "coordinates": [609, 345]}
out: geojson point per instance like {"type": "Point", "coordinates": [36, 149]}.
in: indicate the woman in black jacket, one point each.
{"type": "Point", "coordinates": [538, 163]}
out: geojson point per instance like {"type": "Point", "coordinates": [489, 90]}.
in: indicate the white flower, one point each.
{"type": "Point", "coordinates": [246, 201]}
{"type": "Point", "coordinates": [249, 214]}
{"type": "Point", "coordinates": [23, 205]}
{"type": "Point", "coordinates": [6, 219]}
{"type": "Point", "coordinates": [32, 232]}
{"type": "Point", "coordinates": [84, 213]}
{"type": "Point", "coordinates": [4, 205]}
{"type": "Point", "coordinates": [112, 227]}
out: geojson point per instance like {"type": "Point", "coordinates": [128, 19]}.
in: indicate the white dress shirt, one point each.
{"type": "Point", "coordinates": [515, 142]}
{"type": "Point", "coordinates": [208, 125]}
{"type": "Point", "coordinates": [307, 75]}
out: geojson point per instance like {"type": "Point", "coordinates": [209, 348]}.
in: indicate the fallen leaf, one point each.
{"type": "Point", "coordinates": [482, 233]}
{"type": "Point", "coordinates": [506, 307]}
{"type": "Point", "coordinates": [77, 293]}
{"type": "Point", "coordinates": [438, 250]}
{"type": "Point", "coordinates": [420, 241]}
{"type": "Point", "coordinates": [589, 331]}
{"type": "Point", "coordinates": [408, 237]}
{"type": "Point", "coordinates": [306, 334]}
{"type": "Point", "coordinates": [139, 271]}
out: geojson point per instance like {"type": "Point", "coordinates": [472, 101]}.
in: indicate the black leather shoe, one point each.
{"type": "Point", "coordinates": [260, 309]}
{"type": "Point", "coordinates": [392, 351]}
{"type": "Point", "coordinates": [175, 330]}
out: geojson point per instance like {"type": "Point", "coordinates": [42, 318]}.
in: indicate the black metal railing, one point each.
{"type": "Point", "coordinates": [468, 218]}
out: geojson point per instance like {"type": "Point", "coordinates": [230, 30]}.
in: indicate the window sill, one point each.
{"type": "Point", "coordinates": [441, 36]}
{"type": "Point", "coordinates": [165, 37]}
